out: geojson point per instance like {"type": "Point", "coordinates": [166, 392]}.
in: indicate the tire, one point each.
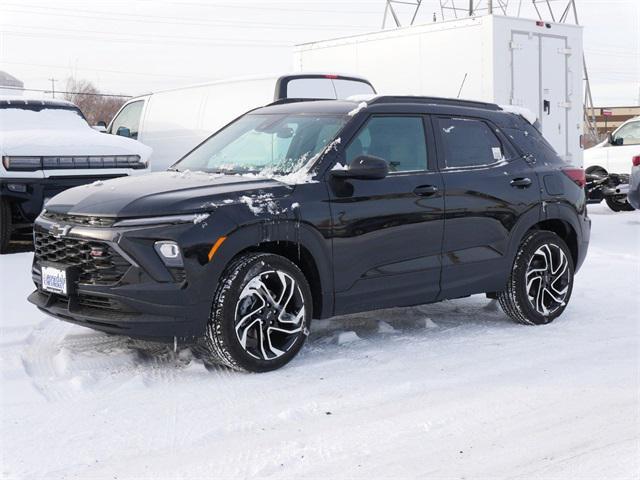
{"type": "Point", "coordinates": [543, 260]}
{"type": "Point", "coordinates": [5, 225]}
{"type": "Point", "coordinates": [261, 314]}
{"type": "Point", "coordinates": [619, 204]}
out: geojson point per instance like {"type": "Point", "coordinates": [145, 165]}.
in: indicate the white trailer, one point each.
{"type": "Point", "coordinates": [510, 61]}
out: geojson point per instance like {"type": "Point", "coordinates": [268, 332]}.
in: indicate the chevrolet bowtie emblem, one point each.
{"type": "Point", "coordinates": [59, 231]}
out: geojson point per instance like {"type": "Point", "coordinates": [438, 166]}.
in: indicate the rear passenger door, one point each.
{"type": "Point", "coordinates": [387, 233]}
{"type": "Point", "coordinates": [488, 187]}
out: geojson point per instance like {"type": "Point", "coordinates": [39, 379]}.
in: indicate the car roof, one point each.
{"type": "Point", "coordinates": [7, 100]}
{"type": "Point", "coordinates": [323, 106]}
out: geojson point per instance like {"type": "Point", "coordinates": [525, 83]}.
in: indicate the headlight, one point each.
{"type": "Point", "coordinates": [71, 162]}
{"type": "Point", "coordinates": [22, 163]}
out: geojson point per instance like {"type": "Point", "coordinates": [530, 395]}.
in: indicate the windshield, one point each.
{"type": "Point", "coordinates": [25, 118]}
{"type": "Point", "coordinates": [268, 144]}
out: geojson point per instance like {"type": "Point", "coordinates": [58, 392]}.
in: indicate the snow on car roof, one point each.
{"type": "Point", "coordinates": [14, 100]}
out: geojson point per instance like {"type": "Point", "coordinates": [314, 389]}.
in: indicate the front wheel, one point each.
{"type": "Point", "coordinates": [541, 280]}
{"type": "Point", "coordinates": [260, 315]}
{"type": "Point", "coordinates": [619, 203]}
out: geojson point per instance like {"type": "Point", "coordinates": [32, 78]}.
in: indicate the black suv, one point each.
{"type": "Point", "coordinates": [311, 209]}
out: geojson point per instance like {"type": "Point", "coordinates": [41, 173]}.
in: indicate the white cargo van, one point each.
{"type": "Point", "coordinates": [173, 122]}
{"type": "Point", "coordinates": [510, 61]}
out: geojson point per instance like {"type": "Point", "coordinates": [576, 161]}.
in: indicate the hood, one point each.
{"type": "Point", "coordinates": [68, 142]}
{"type": "Point", "coordinates": [160, 193]}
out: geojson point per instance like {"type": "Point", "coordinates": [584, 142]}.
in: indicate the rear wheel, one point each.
{"type": "Point", "coordinates": [5, 225]}
{"type": "Point", "coordinates": [541, 280]}
{"type": "Point", "coordinates": [619, 203]}
{"type": "Point", "coordinates": [260, 315]}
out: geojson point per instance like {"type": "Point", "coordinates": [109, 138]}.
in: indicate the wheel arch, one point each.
{"type": "Point", "coordinates": [564, 230]}
{"type": "Point", "coordinates": [560, 218]}
{"type": "Point", "coordinates": [299, 243]}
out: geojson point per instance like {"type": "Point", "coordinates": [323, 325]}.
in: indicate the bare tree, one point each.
{"type": "Point", "coordinates": [86, 96]}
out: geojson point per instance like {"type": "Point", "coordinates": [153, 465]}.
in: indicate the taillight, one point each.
{"type": "Point", "coordinates": [636, 161]}
{"type": "Point", "coordinates": [331, 75]}
{"type": "Point", "coordinates": [576, 175]}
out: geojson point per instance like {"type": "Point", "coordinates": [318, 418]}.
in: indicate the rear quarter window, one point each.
{"type": "Point", "coordinates": [469, 142]}
{"type": "Point", "coordinates": [530, 141]}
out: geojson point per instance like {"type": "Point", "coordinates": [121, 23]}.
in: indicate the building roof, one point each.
{"type": "Point", "coordinates": [7, 80]}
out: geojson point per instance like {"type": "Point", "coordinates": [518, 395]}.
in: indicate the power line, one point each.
{"type": "Point", "coordinates": [65, 93]}
{"type": "Point", "coordinates": [196, 40]}
{"type": "Point", "coordinates": [125, 72]}
{"type": "Point", "coordinates": [159, 19]}
{"type": "Point", "coordinates": [144, 35]}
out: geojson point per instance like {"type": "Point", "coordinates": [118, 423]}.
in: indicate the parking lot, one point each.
{"type": "Point", "coordinates": [432, 391]}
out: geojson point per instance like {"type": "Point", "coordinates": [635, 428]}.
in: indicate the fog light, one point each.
{"type": "Point", "coordinates": [169, 252]}
{"type": "Point", "coordinates": [17, 187]}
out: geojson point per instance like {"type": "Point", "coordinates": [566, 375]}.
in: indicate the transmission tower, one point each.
{"type": "Point", "coordinates": [469, 8]}
{"type": "Point", "coordinates": [389, 10]}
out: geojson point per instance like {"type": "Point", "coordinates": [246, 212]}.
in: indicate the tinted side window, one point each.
{"type": "Point", "coordinates": [398, 140]}
{"type": "Point", "coordinates": [129, 118]}
{"type": "Point", "coordinates": [468, 142]}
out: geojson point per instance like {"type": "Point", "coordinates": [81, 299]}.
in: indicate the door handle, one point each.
{"type": "Point", "coordinates": [521, 182]}
{"type": "Point", "coordinates": [426, 190]}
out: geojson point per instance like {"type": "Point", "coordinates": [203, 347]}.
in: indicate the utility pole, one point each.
{"type": "Point", "coordinates": [53, 87]}
{"type": "Point", "coordinates": [471, 8]}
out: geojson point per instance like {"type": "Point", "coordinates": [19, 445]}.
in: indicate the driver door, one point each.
{"type": "Point", "coordinates": [387, 233]}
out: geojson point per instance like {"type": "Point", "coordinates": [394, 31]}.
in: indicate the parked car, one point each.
{"type": "Point", "coordinates": [47, 146]}
{"type": "Point", "coordinates": [174, 121]}
{"type": "Point", "coordinates": [607, 165]}
{"type": "Point", "coordinates": [634, 184]}
{"type": "Point", "coordinates": [305, 210]}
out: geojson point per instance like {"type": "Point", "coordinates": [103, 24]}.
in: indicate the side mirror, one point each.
{"type": "Point", "coordinates": [102, 124]}
{"type": "Point", "coordinates": [364, 167]}
{"type": "Point", "coordinates": [614, 140]}
{"type": "Point", "coordinates": [123, 132]}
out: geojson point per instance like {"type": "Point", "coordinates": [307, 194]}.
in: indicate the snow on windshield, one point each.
{"type": "Point", "coordinates": [46, 118]}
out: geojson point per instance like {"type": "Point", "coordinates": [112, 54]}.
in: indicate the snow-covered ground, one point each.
{"type": "Point", "coordinates": [451, 390]}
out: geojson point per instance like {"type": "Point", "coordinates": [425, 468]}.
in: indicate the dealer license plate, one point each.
{"type": "Point", "coordinates": [54, 280]}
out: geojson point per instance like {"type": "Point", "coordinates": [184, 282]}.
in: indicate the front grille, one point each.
{"type": "Point", "coordinates": [101, 303]}
{"type": "Point", "coordinates": [79, 219]}
{"type": "Point", "coordinates": [106, 269]}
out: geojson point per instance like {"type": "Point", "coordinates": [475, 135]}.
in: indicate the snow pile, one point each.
{"type": "Point", "coordinates": [361, 106]}
{"type": "Point", "coordinates": [528, 115]}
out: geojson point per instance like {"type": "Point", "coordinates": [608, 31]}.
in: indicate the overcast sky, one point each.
{"type": "Point", "coordinates": [137, 46]}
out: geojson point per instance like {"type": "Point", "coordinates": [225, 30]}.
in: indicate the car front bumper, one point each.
{"type": "Point", "coordinates": [128, 289]}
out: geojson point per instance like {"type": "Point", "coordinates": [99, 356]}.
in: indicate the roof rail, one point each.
{"type": "Point", "coordinates": [282, 101]}
{"type": "Point", "coordinates": [434, 101]}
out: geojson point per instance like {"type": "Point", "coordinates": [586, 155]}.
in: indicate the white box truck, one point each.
{"type": "Point", "coordinates": [505, 60]}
